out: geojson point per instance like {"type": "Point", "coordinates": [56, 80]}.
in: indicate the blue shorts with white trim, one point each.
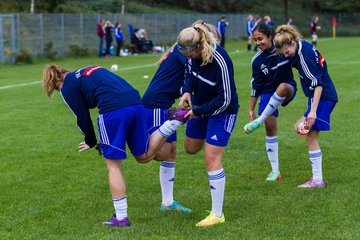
{"type": "Point", "coordinates": [215, 129]}
{"type": "Point", "coordinates": [323, 112]}
{"type": "Point", "coordinates": [121, 126]}
{"type": "Point", "coordinates": [155, 117]}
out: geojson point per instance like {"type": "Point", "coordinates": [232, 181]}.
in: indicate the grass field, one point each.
{"type": "Point", "coordinates": [50, 191]}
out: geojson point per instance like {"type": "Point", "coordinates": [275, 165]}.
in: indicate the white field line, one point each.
{"type": "Point", "coordinates": [38, 82]}
{"type": "Point", "coordinates": [153, 65]}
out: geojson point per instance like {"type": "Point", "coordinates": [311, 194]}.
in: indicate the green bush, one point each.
{"type": "Point", "coordinates": [77, 51]}
{"type": "Point", "coordinates": [49, 52]}
{"type": "Point", "coordinates": [24, 56]}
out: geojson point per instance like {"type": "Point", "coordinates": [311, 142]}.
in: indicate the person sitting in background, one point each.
{"type": "Point", "coordinates": [141, 40]}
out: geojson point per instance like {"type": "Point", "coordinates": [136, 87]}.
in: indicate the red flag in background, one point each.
{"type": "Point", "coordinates": [334, 21]}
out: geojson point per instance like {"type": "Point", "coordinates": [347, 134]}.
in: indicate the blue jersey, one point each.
{"type": "Point", "coordinates": [313, 71]}
{"type": "Point", "coordinates": [221, 26]}
{"type": "Point", "coordinates": [119, 35]}
{"type": "Point", "coordinates": [212, 85]}
{"type": "Point", "coordinates": [249, 28]}
{"type": "Point", "coordinates": [166, 84]}
{"type": "Point", "coordinates": [92, 87]}
{"type": "Point", "coordinates": [269, 69]}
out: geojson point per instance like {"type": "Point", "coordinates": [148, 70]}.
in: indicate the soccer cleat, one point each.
{"type": "Point", "coordinates": [175, 207]}
{"type": "Point", "coordinates": [252, 126]}
{"type": "Point", "coordinates": [177, 114]}
{"type": "Point", "coordinates": [114, 222]}
{"type": "Point", "coordinates": [273, 176]}
{"type": "Point", "coordinates": [303, 128]}
{"type": "Point", "coordinates": [211, 220]}
{"type": "Point", "coordinates": [313, 184]}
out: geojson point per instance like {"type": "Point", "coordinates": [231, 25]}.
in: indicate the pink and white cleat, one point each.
{"type": "Point", "coordinates": [313, 184]}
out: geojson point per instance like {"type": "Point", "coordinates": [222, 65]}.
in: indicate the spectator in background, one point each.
{"type": "Point", "coordinates": [142, 41]}
{"type": "Point", "coordinates": [289, 21]}
{"type": "Point", "coordinates": [109, 38]}
{"type": "Point", "coordinates": [313, 27]}
{"type": "Point", "coordinates": [221, 25]}
{"type": "Point", "coordinates": [119, 39]}
{"type": "Point", "coordinates": [249, 28]}
{"type": "Point", "coordinates": [101, 33]}
{"type": "Point", "coordinates": [267, 20]}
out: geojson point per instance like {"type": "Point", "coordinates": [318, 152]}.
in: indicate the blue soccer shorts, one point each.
{"type": "Point", "coordinates": [265, 98]}
{"type": "Point", "coordinates": [215, 129]}
{"type": "Point", "coordinates": [121, 126]}
{"type": "Point", "coordinates": [323, 112]}
{"type": "Point", "coordinates": [155, 117]}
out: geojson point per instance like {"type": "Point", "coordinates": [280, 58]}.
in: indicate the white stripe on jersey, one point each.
{"type": "Point", "coordinates": [305, 67]}
{"type": "Point", "coordinates": [280, 64]}
{"type": "Point", "coordinates": [203, 79]}
{"type": "Point", "coordinates": [256, 55]}
{"type": "Point", "coordinates": [225, 80]}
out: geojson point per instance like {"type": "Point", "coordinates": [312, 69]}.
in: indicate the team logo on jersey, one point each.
{"type": "Point", "coordinates": [90, 70]}
{"type": "Point", "coordinates": [264, 69]}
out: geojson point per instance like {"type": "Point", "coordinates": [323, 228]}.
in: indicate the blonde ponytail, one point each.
{"type": "Point", "coordinates": [285, 34]}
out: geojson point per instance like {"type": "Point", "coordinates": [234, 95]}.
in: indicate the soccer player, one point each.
{"type": "Point", "coordinates": [249, 29]}
{"type": "Point", "coordinates": [121, 120]}
{"type": "Point", "coordinates": [317, 86]}
{"type": "Point", "coordinates": [160, 95]}
{"type": "Point", "coordinates": [221, 25]}
{"type": "Point", "coordinates": [211, 92]}
{"type": "Point", "coordinates": [272, 80]}
{"type": "Point", "coordinates": [313, 27]}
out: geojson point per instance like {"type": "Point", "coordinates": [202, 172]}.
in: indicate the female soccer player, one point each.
{"type": "Point", "coordinates": [160, 95]}
{"type": "Point", "coordinates": [317, 86]}
{"type": "Point", "coordinates": [121, 120]}
{"type": "Point", "coordinates": [249, 29]}
{"type": "Point", "coordinates": [272, 80]}
{"type": "Point", "coordinates": [214, 107]}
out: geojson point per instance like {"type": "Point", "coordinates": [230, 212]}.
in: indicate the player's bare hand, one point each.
{"type": "Point", "coordinates": [83, 147]}
{"type": "Point", "coordinates": [190, 115]}
{"type": "Point", "coordinates": [185, 99]}
{"type": "Point", "coordinates": [252, 115]}
{"type": "Point", "coordinates": [311, 119]}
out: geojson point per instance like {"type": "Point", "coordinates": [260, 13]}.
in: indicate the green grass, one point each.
{"type": "Point", "coordinates": [50, 191]}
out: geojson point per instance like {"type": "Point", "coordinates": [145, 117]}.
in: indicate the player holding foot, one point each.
{"type": "Point", "coordinates": [121, 120]}
{"type": "Point", "coordinates": [211, 92]}
{"type": "Point", "coordinates": [272, 80]}
{"type": "Point", "coordinates": [160, 95]}
{"type": "Point", "coordinates": [317, 86]}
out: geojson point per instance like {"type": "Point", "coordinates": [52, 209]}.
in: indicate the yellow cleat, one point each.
{"type": "Point", "coordinates": [211, 220]}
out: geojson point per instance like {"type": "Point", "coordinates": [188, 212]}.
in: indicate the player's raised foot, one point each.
{"type": "Point", "coordinates": [211, 220]}
{"type": "Point", "coordinates": [313, 184]}
{"type": "Point", "coordinates": [177, 114]}
{"type": "Point", "coordinates": [273, 176]}
{"type": "Point", "coordinates": [114, 222]}
{"type": "Point", "coordinates": [175, 207]}
{"type": "Point", "coordinates": [252, 126]}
